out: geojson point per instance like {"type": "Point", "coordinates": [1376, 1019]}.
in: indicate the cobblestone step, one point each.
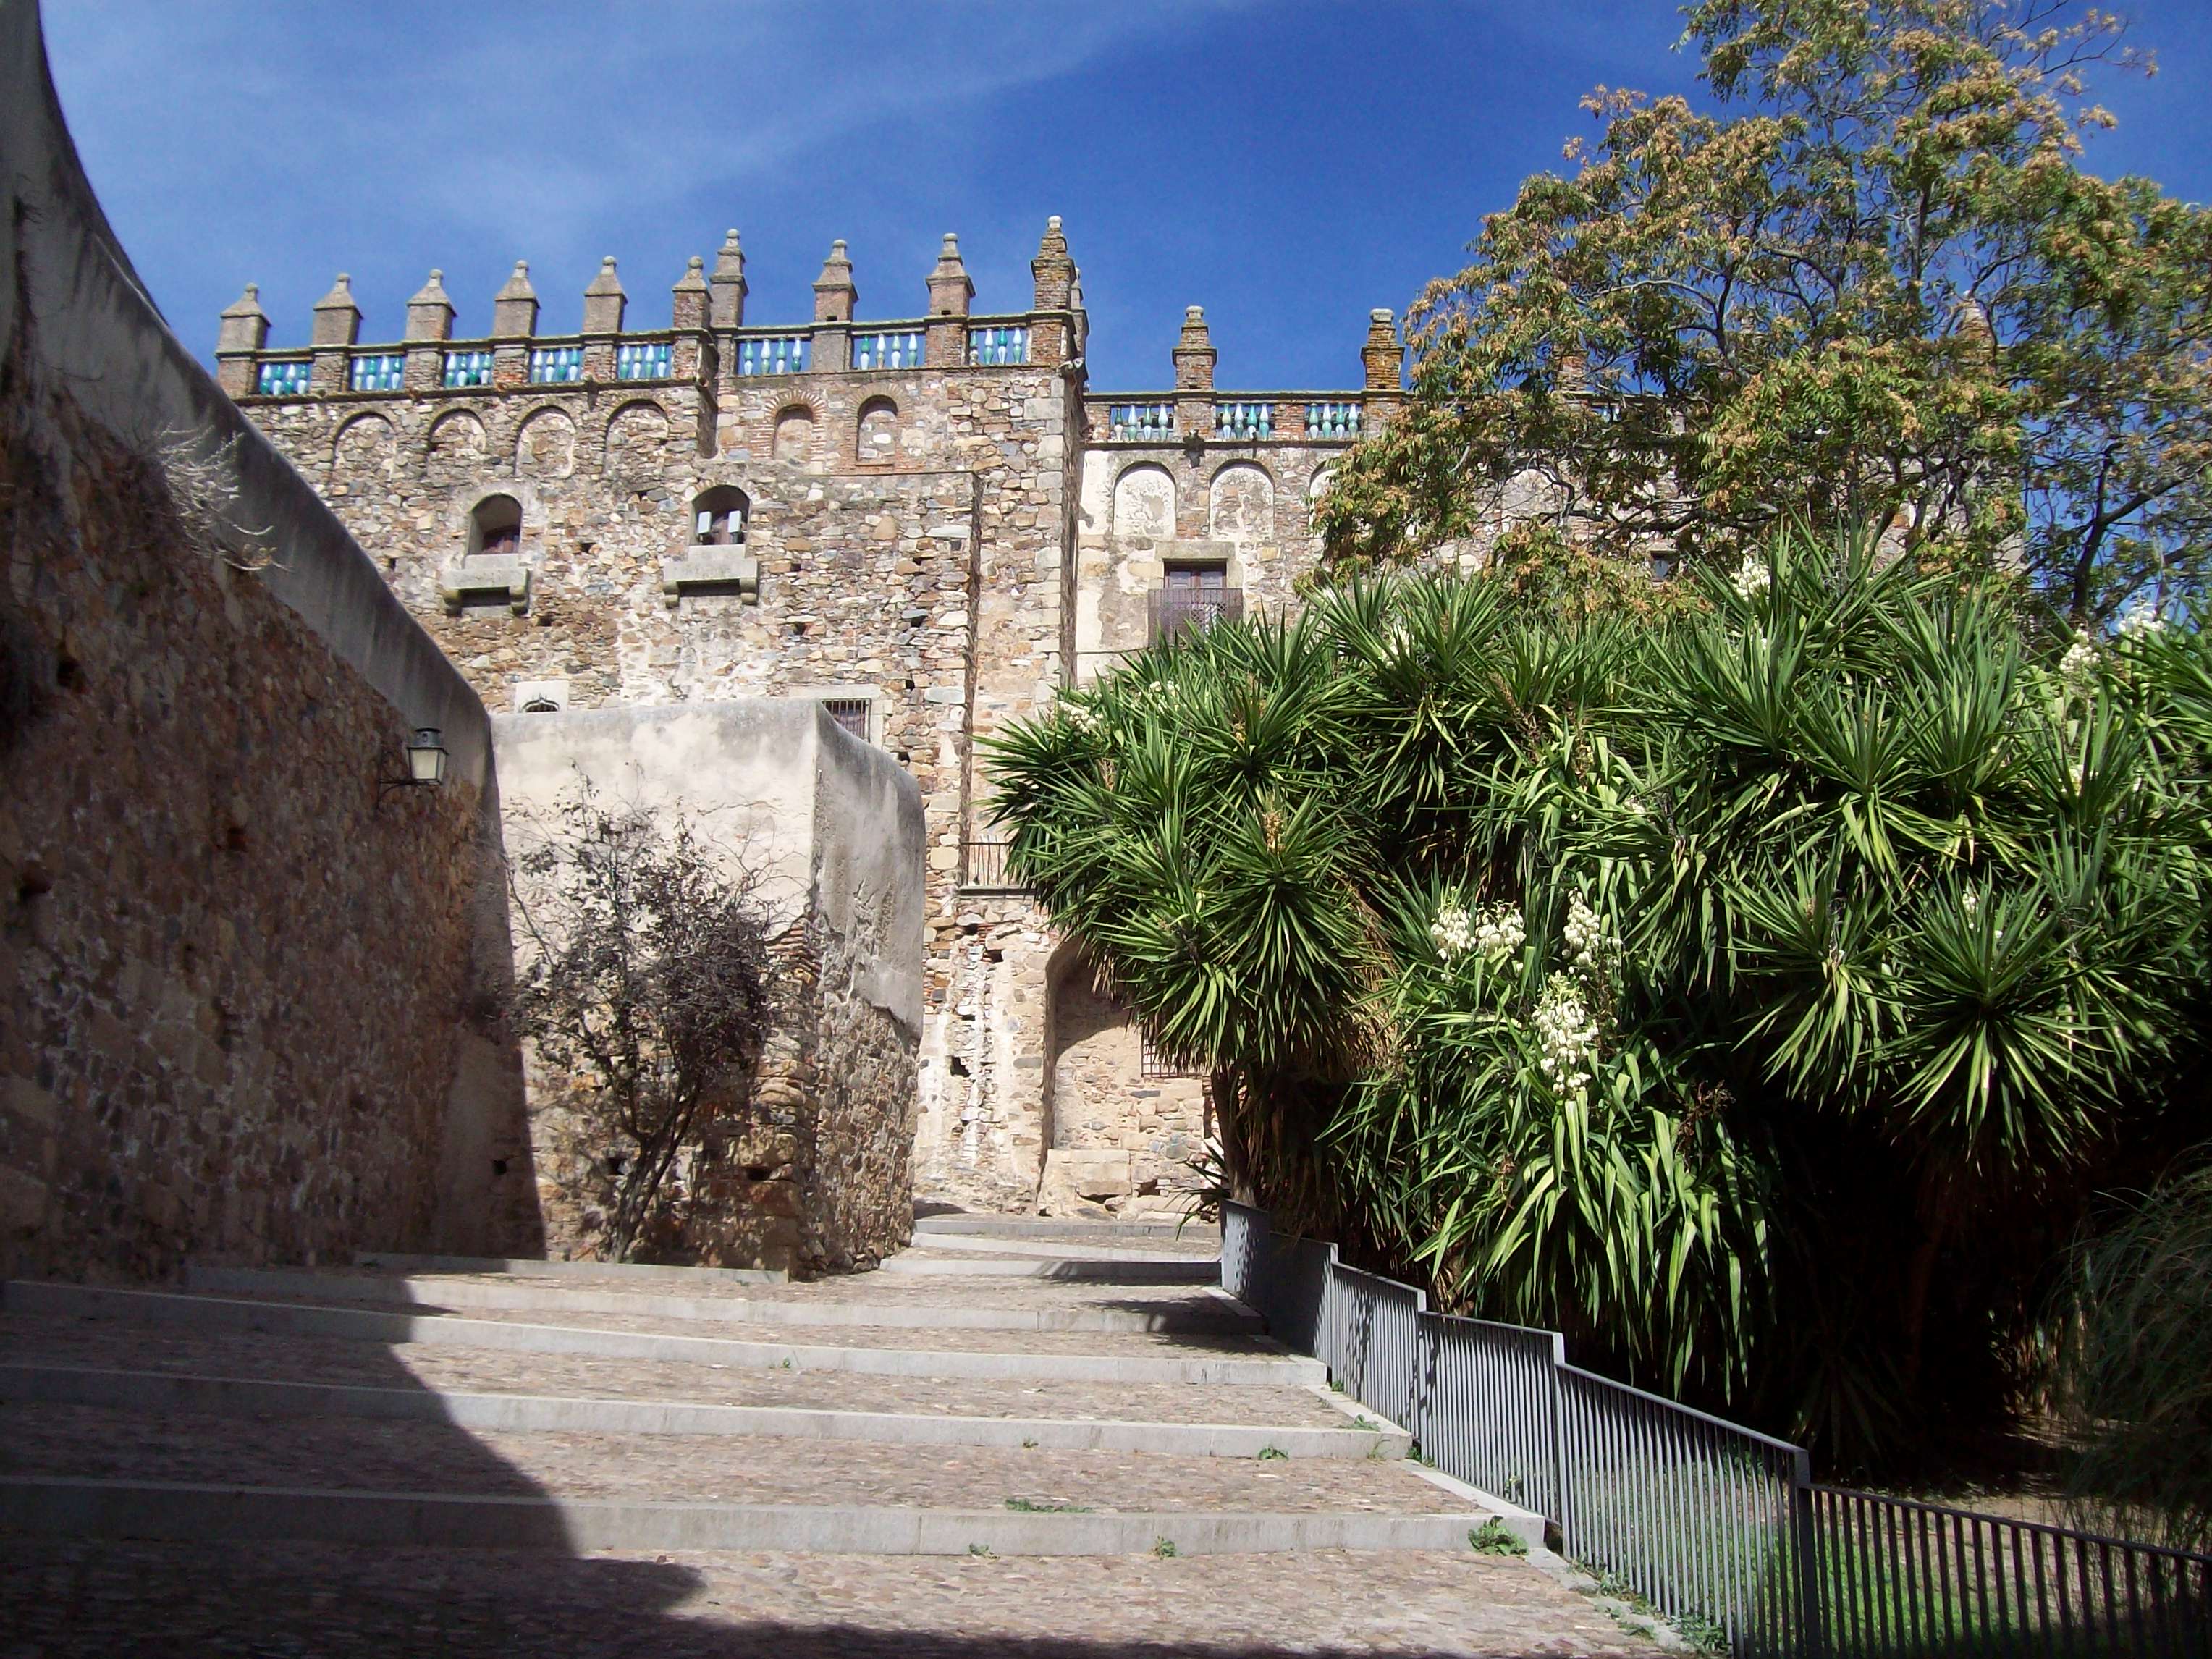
{"type": "Point", "coordinates": [197, 1512]}
{"type": "Point", "coordinates": [1202, 1316]}
{"type": "Point", "coordinates": [1144, 1251]}
{"type": "Point", "coordinates": [1118, 1270]}
{"type": "Point", "coordinates": [206, 1313]}
{"type": "Point", "coordinates": [175, 1349]}
{"type": "Point", "coordinates": [171, 1392]}
{"type": "Point", "coordinates": [74, 1440]}
{"type": "Point", "coordinates": [71, 1599]}
{"type": "Point", "coordinates": [524, 1267]}
{"type": "Point", "coordinates": [1062, 1227]}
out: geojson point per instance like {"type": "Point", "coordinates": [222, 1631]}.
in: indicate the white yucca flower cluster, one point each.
{"type": "Point", "coordinates": [1083, 717]}
{"type": "Point", "coordinates": [2078, 667]}
{"type": "Point", "coordinates": [1566, 1035]}
{"type": "Point", "coordinates": [1453, 930]}
{"type": "Point", "coordinates": [1970, 902]}
{"type": "Point", "coordinates": [1589, 945]}
{"type": "Point", "coordinates": [1498, 930]}
{"type": "Point", "coordinates": [2140, 623]}
{"type": "Point", "coordinates": [1752, 578]}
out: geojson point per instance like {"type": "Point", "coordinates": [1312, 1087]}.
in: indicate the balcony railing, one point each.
{"type": "Point", "coordinates": [377, 371]}
{"type": "Point", "coordinates": [284, 377]}
{"type": "Point", "coordinates": [556, 365]}
{"type": "Point", "coordinates": [1333, 420]}
{"type": "Point", "coordinates": [468, 368]}
{"type": "Point", "coordinates": [998, 348]}
{"type": "Point", "coordinates": [1141, 422]}
{"type": "Point", "coordinates": [888, 348]}
{"type": "Point", "coordinates": [1193, 610]}
{"type": "Point", "coordinates": [651, 360]}
{"type": "Point", "coordinates": [983, 864]}
{"type": "Point", "coordinates": [1241, 420]}
{"type": "Point", "coordinates": [773, 354]}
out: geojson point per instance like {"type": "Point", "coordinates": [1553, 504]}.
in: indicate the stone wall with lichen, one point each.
{"type": "Point", "coordinates": [248, 998]}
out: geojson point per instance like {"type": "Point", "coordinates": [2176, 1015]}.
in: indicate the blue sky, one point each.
{"type": "Point", "coordinates": [1288, 164]}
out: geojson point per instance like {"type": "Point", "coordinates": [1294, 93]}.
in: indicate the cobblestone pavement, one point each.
{"type": "Point", "coordinates": [70, 1601]}
{"type": "Point", "coordinates": [976, 1290]}
{"type": "Point", "coordinates": [1131, 1345]}
{"type": "Point", "coordinates": [253, 1593]}
{"type": "Point", "coordinates": [372, 1455]}
{"type": "Point", "coordinates": [459, 1369]}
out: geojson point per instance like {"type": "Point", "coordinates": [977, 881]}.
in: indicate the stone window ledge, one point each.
{"type": "Point", "coordinates": [707, 569]}
{"type": "Point", "coordinates": [481, 576]}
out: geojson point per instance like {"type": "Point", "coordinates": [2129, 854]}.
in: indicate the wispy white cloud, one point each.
{"type": "Point", "coordinates": [531, 123]}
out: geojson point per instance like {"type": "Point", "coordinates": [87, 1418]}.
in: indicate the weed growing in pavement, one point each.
{"type": "Point", "coordinates": [1165, 1548]}
{"type": "Point", "coordinates": [984, 1551]}
{"type": "Point", "coordinates": [1029, 1444]}
{"type": "Point", "coordinates": [1031, 1506]}
{"type": "Point", "coordinates": [1272, 1455]}
{"type": "Point", "coordinates": [1494, 1537]}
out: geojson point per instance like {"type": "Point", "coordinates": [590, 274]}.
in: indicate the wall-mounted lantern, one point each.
{"type": "Point", "coordinates": [426, 763]}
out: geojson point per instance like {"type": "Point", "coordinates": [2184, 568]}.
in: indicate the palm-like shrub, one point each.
{"type": "Point", "coordinates": [1751, 994]}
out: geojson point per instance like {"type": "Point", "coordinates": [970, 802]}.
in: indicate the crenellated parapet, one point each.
{"type": "Point", "coordinates": [1195, 414]}
{"type": "Point", "coordinates": [707, 343]}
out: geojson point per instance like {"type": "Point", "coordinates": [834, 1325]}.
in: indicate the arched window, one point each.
{"type": "Point", "coordinates": [718, 517]}
{"type": "Point", "coordinates": [878, 437]}
{"type": "Point", "coordinates": [495, 526]}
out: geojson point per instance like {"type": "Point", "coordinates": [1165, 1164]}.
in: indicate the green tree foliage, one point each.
{"type": "Point", "coordinates": [1752, 992]}
{"type": "Point", "coordinates": [1873, 284]}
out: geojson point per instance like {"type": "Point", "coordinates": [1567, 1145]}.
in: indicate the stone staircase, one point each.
{"type": "Point", "coordinates": [555, 1457]}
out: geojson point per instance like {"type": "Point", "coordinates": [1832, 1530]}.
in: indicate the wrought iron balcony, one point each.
{"type": "Point", "coordinates": [1179, 610]}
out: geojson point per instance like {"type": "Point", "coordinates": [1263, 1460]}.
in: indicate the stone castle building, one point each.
{"type": "Point", "coordinates": [930, 524]}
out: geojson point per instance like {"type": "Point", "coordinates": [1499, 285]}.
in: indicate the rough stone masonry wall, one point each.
{"type": "Point", "coordinates": [812, 1171]}
{"type": "Point", "coordinates": [243, 1004]}
{"type": "Point", "coordinates": [930, 584]}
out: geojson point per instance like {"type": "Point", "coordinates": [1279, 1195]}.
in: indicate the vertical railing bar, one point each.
{"type": "Point", "coordinates": [2111, 1609]}
{"type": "Point", "coordinates": [1981, 1577]}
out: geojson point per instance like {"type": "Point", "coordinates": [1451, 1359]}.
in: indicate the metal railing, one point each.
{"type": "Point", "coordinates": [983, 864]}
{"type": "Point", "coordinates": [1718, 1526]}
{"type": "Point", "coordinates": [1907, 1578]}
{"type": "Point", "coordinates": [1173, 609]}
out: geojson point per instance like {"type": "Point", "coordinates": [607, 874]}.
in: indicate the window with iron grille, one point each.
{"type": "Point", "coordinates": [1155, 1061]}
{"type": "Point", "coordinates": [287, 378]}
{"type": "Point", "coordinates": [377, 371]}
{"type": "Point", "coordinates": [851, 713]}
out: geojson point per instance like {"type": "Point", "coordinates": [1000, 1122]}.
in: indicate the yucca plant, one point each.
{"type": "Point", "coordinates": [1747, 991]}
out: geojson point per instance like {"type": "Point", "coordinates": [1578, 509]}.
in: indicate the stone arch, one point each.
{"type": "Point", "coordinates": [545, 446]}
{"type": "Point", "coordinates": [1241, 504]}
{"type": "Point", "coordinates": [793, 441]}
{"type": "Point", "coordinates": [456, 450]}
{"type": "Point", "coordinates": [1316, 487]}
{"type": "Point", "coordinates": [365, 444]}
{"type": "Point", "coordinates": [637, 436]}
{"type": "Point", "coordinates": [496, 524]}
{"type": "Point", "coordinates": [1145, 504]}
{"type": "Point", "coordinates": [875, 433]}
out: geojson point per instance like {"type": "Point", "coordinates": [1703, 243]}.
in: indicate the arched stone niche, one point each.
{"type": "Point", "coordinates": [794, 435]}
{"type": "Point", "coordinates": [876, 437]}
{"type": "Point", "coordinates": [457, 449]}
{"type": "Point", "coordinates": [1241, 504]}
{"type": "Point", "coordinates": [545, 447]}
{"type": "Point", "coordinates": [366, 447]}
{"type": "Point", "coordinates": [1145, 505]}
{"type": "Point", "coordinates": [637, 438]}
